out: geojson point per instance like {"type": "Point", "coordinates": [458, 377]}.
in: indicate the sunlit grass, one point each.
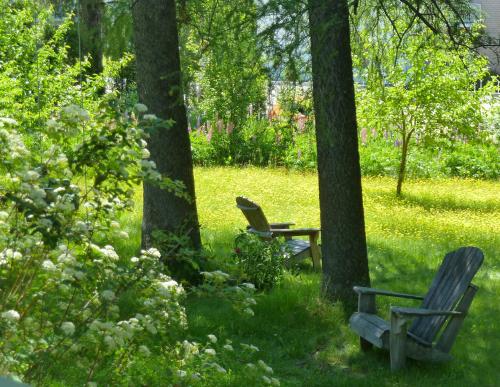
{"type": "Point", "coordinates": [307, 341]}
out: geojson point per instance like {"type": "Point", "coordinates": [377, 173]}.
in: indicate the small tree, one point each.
{"type": "Point", "coordinates": [426, 92]}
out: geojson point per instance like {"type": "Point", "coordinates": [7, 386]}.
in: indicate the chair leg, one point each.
{"type": "Point", "coordinates": [397, 342]}
{"type": "Point", "coordinates": [366, 304]}
{"type": "Point", "coordinates": [315, 251]}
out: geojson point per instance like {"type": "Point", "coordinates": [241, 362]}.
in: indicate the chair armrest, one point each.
{"type": "Point", "coordinates": [420, 312]}
{"type": "Point", "coordinates": [261, 234]}
{"type": "Point", "coordinates": [295, 231]}
{"type": "Point", "coordinates": [362, 290]}
{"type": "Point", "coordinates": [282, 225]}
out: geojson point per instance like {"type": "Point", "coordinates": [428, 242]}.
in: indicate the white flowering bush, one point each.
{"type": "Point", "coordinates": [66, 295]}
{"type": "Point", "coordinates": [60, 284]}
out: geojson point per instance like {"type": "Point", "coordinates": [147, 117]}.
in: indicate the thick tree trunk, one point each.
{"type": "Point", "coordinates": [160, 88]}
{"type": "Point", "coordinates": [345, 262]}
{"type": "Point", "coordinates": [91, 14]}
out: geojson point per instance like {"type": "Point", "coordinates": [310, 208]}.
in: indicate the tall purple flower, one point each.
{"type": "Point", "coordinates": [364, 136]}
{"type": "Point", "coordinates": [220, 125]}
{"type": "Point", "coordinates": [301, 122]}
{"type": "Point", "coordinates": [209, 134]}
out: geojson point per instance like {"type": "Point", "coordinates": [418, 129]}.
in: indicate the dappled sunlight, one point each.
{"type": "Point", "coordinates": [306, 339]}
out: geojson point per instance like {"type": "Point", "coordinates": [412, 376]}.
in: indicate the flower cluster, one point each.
{"type": "Point", "coordinates": [61, 288]}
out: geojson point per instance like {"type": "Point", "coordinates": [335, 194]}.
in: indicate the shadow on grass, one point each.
{"type": "Point", "coordinates": [308, 343]}
{"type": "Point", "coordinates": [446, 203]}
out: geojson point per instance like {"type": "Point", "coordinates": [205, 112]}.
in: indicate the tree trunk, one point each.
{"type": "Point", "coordinates": [91, 14]}
{"type": "Point", "coordinates": [345, 261]}
{"type": "Point", "coordinates": [160, 88]}
{"type": "Point", "coordinates": [402, 164]}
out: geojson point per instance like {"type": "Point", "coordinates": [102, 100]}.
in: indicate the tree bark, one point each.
{"type": "Point", "coordinates": [345, 261]}
{"type": "Point", "coordinates": [402, 164]}
{"type": "Point", "coordinates": [91, 14]}
{"type": "Point", "coordinates": [160, 88]}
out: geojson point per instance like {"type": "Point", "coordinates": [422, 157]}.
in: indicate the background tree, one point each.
{"type": "Point", "coordinates": [160, 88]}
{"type": "Point", "coordinates": [91, 34]}
{"type": "Point", "coordinates": [223, 67]}
{"type": "Point", "coordinates": [417, 85]}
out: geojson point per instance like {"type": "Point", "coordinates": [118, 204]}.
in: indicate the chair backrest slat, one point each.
{"type": "Point", "coordinates": [449, 285]}
{"type": "Point", "coordinates": [254, 214]}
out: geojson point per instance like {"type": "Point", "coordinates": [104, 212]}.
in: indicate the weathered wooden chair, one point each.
{"type": "Point", "coordinates": [447, 300]}
{"type": "Point", "coordinates": [299, 249]}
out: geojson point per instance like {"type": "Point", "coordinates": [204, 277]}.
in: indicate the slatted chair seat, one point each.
{"type": "Point", "coordinates": [297, 248]}
{"type": "Point", "coordinates": [436, 322]}
{"type": "Point", "coordinates": [375, 327]}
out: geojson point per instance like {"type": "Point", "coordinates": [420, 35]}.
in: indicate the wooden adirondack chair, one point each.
{"type": "Point", "coordinates": [258, 224]}
{"type": "Point", "coordinates": [447, 300]}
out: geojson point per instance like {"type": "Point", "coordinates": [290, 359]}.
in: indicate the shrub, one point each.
{"type": "Point", "coordinates": [61, 286]}
{"type": "Point", "coordinates": [66, 296]}
{"type": "Point", "coordinates": [472, 160]}
{"type": "Point", "coordinates": [260, 262]}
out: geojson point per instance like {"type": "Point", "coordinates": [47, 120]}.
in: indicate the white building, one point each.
{"type": "Point", "coordinates": [490, 11]}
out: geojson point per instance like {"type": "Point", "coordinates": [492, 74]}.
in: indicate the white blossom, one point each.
{"type": "Point", "coordinates": [31, 176]}
{"type": "Point", "coordinates": [265, 367]}
{"type": "Point", "coordinates": [75, 113]}
{"type": "Point", "coordinates": [212, 338]}
{"type": "Point", "coordinates": [68, 328]}
{"type": "Point", "coordinates": [166, 288]}
{"type": "Point", "coordinates": [108, 295]}
{"type": "Point", "coordinates": [149, 117]}
{"type": "Point", "coordinates": [145, 153]}
{"type": "Point", "coordinates": [109, 252]}
{"type": "Point", "coordinates": [48, 265]}
{"type": "Point", "coordinates": [11, 315]}
{"type": "Point", "coordinates": [140, 107]}
{"type": "Point", "coordinates": [123, 235]}
{"type": "Point", "coordinates": [66, 258]}
{"type": "Point", "coordinates": [210, 351]}
{"type": "Point", "coordinates": [8, 121]}
{"type": "Point", "coordinates": [153, 252]}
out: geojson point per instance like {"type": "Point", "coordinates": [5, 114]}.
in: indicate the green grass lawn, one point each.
{"type": "Point", "coordinates": [305, 339]}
